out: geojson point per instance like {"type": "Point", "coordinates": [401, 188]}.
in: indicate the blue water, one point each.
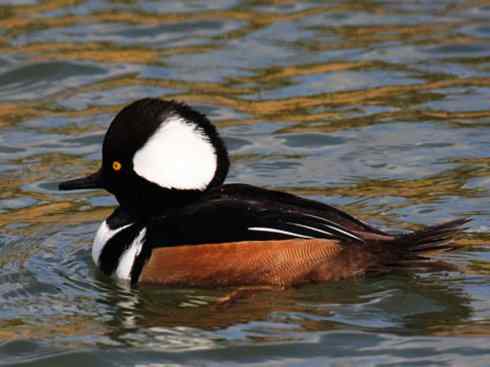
{"type": "Point", "coordinates": [381, 108]}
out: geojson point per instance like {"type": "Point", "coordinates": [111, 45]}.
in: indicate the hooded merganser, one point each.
{"type": "Point", "coordinates": [178, 224]}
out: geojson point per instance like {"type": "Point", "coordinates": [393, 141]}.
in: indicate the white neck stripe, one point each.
{"type": "Point", "coordinates": [103, 235]}
{"type": "Point", "coordinates": [127, 259]}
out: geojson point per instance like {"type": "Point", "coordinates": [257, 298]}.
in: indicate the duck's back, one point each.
{"type": "Point", "coordinates": [238, 212]}
{"type": "Point", "coordinates": [243, 235]}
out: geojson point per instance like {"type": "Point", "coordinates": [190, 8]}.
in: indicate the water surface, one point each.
{"type": "Point", "coordinates": [381, 108]}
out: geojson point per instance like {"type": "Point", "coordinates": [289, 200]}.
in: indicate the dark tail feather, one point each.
{"type": "Point", "coordinates": [434, 238]}
{"type": "Point", "coordinates": [412, 250]}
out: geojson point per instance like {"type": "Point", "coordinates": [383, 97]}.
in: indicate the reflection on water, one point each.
{"type": "Point", "coordinates": [380, 107]}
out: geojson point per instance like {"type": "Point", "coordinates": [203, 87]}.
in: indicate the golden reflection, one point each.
{"type": "Point", "coordinates": [15, 112]}
{"type": "Point", "coordinates": [24, 18]}
{"type": "Point", "coordinates": [360, 36]}
{"type": "Point", "coordinates": [469, 328]}
{"type": "Point", "coordinates": [156, 311]}
{"type": "Point", "coordinates": [100, 52]}
{"type": "Point", "coordinates": [294, 71]}
{"type": "Point", "coordinates": [152, 308]}
{"type": "Point", "coordinates": [277, 108]}
{"type": "Point", "coordinates": [25, 15]}
{"type": "Point", "coordinates": [293, 109]}
{"type": "Point", "coordinates": [53, 326]}
{"type": "Point", "coordinates": [421, 190]}
{"type": "Point", "coordinates": [34, 214]}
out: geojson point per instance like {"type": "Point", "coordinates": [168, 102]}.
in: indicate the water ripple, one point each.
{"type": "Point", "coordinates": [379, 107]}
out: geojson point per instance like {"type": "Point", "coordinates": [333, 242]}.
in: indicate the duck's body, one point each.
{"type": "Point", "coordinates": [179, 225]}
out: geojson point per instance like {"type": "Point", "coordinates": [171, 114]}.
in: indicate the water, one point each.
{"type": "Point", "coordinates": [381, 108]}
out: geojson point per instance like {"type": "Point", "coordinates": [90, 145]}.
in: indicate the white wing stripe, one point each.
{"type": "Point", "coordinates": [273, 230]}
{"type": "Point", "coordinates": [311, 228]}
{"type": "Point", "coordinates": [335, 228]}
{"type": "Point", "coordinates": [348, 234]}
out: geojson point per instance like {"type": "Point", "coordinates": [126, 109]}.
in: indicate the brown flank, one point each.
{"type": "Point", "coordinates": [291, 262]}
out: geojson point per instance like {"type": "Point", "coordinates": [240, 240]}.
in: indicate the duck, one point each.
{"type": "Point", "coordinates": [178, 224]}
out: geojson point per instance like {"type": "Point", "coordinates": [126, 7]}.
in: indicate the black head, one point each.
{"type": "Point", "coordinates": [156, 155]}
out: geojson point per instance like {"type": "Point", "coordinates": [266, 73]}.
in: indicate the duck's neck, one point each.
{"type": "Point", "coordinates": [150, 200]}
{"type": "Point", "coordinates": [119, 247]}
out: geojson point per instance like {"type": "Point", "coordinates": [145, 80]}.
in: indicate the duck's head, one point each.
{"type": "Point", "coordinates": [157, 155]}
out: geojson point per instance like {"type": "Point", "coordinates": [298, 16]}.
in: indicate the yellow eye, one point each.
{"type": "Point", "coordinates": [116, 166]}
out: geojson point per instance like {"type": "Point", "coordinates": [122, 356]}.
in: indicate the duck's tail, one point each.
{"type": "Point", "coordinates": [439, 237]}
{"type": "Point", "coordinates": [416, 249]}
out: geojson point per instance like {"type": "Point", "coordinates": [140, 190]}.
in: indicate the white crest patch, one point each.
{"type": "Point", "coordinates": [128, 257]}
{"type": "Point", "coordinates": [178, 155]}
{"type": "Point", "coordinates": [103, 235]}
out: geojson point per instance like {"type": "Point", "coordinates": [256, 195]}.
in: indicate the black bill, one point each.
{"type": "Point", "coordinates": [93, 181]}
